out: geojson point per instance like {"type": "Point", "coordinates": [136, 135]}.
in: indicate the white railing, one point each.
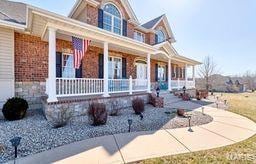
{"type": "Point", "coordinates": [179, 84]}
{"type": "Point", "coordinates": [118, 85]}
{"type": "Point", "coordinates": [78, 86]}
{"type": "Point", "coordinates": [191, 84]}
{"type": "Point", "coordinates": [66, 87]}
{"type": "Point", "coordinates": [139, 85]}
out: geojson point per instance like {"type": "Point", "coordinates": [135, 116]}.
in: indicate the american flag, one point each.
{"type": "Point", "coordinates": [80, 47]}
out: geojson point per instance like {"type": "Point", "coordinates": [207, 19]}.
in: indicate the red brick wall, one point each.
{"type": "Point", "coordinates": [92, 14]}
{"type": "Point", "coordinates": [150, 38]}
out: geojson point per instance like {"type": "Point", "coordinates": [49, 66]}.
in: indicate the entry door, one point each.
{"type": "Point", "coordinates": [141, 71]}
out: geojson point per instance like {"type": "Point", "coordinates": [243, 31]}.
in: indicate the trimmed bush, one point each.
{"type": "Point", "coordinates": [15, 109]}
{"type": "Point", "coordinates": [61, 119]}
{"type": "Point", "coordinates": [116, 108]}
{"type": "Point", "coordinates": [138, 106]}
{"type": "Point", "coordinates": [97, 113]}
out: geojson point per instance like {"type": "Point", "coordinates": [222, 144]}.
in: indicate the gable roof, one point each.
{"type": "Point", "coordinates": [13, 12]}
{"type": "Point", "coordinates": [125, 3]}
{"type": "Point", "coordinates": [152, 23]}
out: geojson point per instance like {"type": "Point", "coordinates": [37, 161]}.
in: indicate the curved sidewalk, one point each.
{"type": "Point", "coordinates": [227, 128]}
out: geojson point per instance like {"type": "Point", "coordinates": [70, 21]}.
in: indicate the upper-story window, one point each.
{"type": "Point", "coordinates": [139, 36]}
{"type": "Point", "coordinates": [112, 20]}
{"type": "Point", "coordinates": [160, 36]}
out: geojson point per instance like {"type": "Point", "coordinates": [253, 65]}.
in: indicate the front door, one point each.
{"type": "Point", "coordinates": [141, 71]}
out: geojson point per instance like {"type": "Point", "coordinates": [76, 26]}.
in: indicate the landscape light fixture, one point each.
{"type": "Point", "coordinates": [130, 124]}
{"type": "Point", "coordinates": [189, 124]}
{"type": "Point", "coordinates": [141, 116]}
{"type": "Point", "coordinates": [217, 105]}
{"type": "Point", "coordinates": [157, 91]}
{"type": "Point", "coordinates": [15, 143]}
{"type": "Point", "coordinates": [225, 101]}
{"type": "Point", "coordinates": [184, 90]}
{"type": "Point", "coordinates": [203, 110]}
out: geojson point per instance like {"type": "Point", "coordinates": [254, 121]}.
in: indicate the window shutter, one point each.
{"type": "Point", "coordinates": [184, 72]}
{"type": "Point", "coordinates": [177, 72]}
{"type": "Point", "coordinates": [156, 73]}
{"type": "Point", "coordinates": [58, 64]}
{"type": "Point", "coordinates": [79, 72]}
{"type": "Point", "coordinates": [166, 68]}
{"type": "Point", "coordinates": [101, 66]}
{"type": "Point", "coordinates": [156, 38]}
{"type": "Point", "coordinates": [100, 18]}
{"type": "Point", "coordinates": [173, 71]}
{"type": "Point", "coordinates": [124, 27]}
{"type": "Point", "coordinates": [180, 72]}
{"type": "Point", "coordinates": [124, 68]}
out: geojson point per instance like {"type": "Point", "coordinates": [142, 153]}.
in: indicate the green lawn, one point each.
{"type": "Point", "coordinates": [243, 104]}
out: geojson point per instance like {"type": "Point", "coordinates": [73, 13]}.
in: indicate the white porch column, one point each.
{"type": "Point", "coordinates": [170, 74]}
{"type": "Point", "coordinates": [186, 76]}
{"type": "Point", "coordinates": [52, 66]}
{"type": "Point", "coordinates": [106, 94]}
{"type": "Point", "coordinates": [148, 73]}
{"type": "Point", "coordinates": [194, 76]}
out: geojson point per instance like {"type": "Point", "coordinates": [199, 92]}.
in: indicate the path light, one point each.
{"type": "Point", "coordinates": [129, 123]}
{"type": "Point", "coordinates": [15, 143]}
{"type": "Point", "coordinates": [225, 101]}
{"type": "Point", "coordinates": [141, 116]}
{"type": "Point", "coordinates": [217, 97]}
{"type": "Point", "coordinates": [217, 105]}
{"type": "Point", "coordinates": [158, 91]}
{"type": "Point", "coordinates": [184, 90]}
{"type": "Point", "coordinates": [189, 124]}
{"type": "Point", "coordinates": [203, 110]}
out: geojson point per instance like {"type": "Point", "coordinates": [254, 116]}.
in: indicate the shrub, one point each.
{"type": "Point", "coordinates": [61, 119]}
{"type": "Point", "coordinates": [15, 109]}
{"type": "Point", "coordinates": [138, 106]}
{"type": "Point", "coordinates": [97, 113]}
{"type": "Point", "coordinates": [181, 112]}
{"type": "Point", "coordinates": [116, 108]}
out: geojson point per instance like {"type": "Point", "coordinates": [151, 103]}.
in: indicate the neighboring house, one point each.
{"type": "Point", "coordinates": [36, 54]}
{"type": "Point", "coordinates": [221, 83]}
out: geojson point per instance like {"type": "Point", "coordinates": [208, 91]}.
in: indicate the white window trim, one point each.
{"type": "Point", "coordinates": [62, 64]}
{"type": "Point", "coordinates": [112, 18]}
{"type": "Point", "coordinates": [142, 34]}
{"type": "Point", "coordinates": [115, 57]}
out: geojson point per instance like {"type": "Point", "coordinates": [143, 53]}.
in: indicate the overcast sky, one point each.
{"type": "Point", "coordinates": [223, 29]}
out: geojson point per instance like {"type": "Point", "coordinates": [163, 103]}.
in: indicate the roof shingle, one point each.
{"type": "Point", "coordinates": [152, 23]}
{"type": "Point", "coordinates": [14, 12]}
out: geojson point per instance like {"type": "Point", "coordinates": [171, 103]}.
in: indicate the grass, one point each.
{"type": "Point", "coordinates": [244, 152]}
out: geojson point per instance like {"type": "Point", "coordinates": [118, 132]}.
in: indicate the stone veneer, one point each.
{"type": "Point", "coordinates": [79, 107]}
{"type": "Point", "coordinates": [32, 92]}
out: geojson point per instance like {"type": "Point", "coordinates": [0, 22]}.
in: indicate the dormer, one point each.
{"type": "Point", "coordinates": [115, 16]}
{"type": "Point", "coordinates": [159, 30]}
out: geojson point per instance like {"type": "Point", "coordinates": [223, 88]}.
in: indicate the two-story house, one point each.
{"type": "Point", "coordinates": [124, 56]}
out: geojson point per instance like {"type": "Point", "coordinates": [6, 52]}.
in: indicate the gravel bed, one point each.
{"type": "Point", "coordinates": [37, 135]}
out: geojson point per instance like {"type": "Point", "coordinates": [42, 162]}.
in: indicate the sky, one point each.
{"type": "Point", "coordinates": [222, 29]}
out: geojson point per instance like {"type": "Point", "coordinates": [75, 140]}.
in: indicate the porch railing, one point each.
{"type": "Point", "coordinates": [118, 85]}
{"type": "Point", "coordinates": [179, 84]}
{"type": "Point", "coordinates": [82, 86]}
{"type": "Point", "coordinates": [139, 85]}
{"type": "Point", "coordinates": [78, 87]}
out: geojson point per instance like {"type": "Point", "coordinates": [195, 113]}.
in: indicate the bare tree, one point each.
{"type": "Point", "coordinates": [206, 70]}
{"type": "Point", "coordinates": [250, 80]}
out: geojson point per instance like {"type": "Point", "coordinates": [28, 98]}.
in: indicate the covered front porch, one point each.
{"type": "Point", "coordinates": [144, 67]}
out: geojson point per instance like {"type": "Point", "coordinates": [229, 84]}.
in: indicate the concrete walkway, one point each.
{"type": "Point", "coordinates": [227, 128]}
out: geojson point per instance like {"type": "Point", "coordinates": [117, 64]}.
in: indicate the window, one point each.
{"type": "Point", "coordinates": [139, 36]}
{"type": "Point", "coordinates": [115, 68]}
{"type": "Point", "coordinates": [160, 36]}
{"type": "Point", "coordinates": [112, 19]}
{"type": "Point", "coordinates": [68, 70]}
{"type": "Point", "coordinates": [161, 73]}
